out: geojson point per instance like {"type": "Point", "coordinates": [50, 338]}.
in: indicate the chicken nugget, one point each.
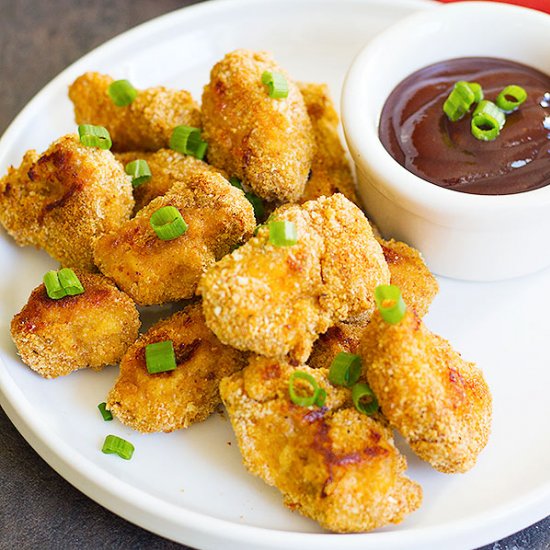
{"type": "Point", "coordinates": [63, 199]}
{"type": "Point", "coordinates": [155, 271]}
{"type": "Point", "coordinates": [93, 329]}
{"type": "Point", "coordinates": [409, 272]}
{"type": "Point", "coordinates": [333, 464]}
{"type": "Point", "coordinates": [146, 124]}
{"type": "Point", "coordinates": [267, 143]}
{"type": "Point", "coordinates": [275, 300]}
{"type": "Point", "coordinates": [330, 168]}
{"type": "Point", "coordinates": [172, 400]}
{"type": "Point", "coordinates": [439, 403]}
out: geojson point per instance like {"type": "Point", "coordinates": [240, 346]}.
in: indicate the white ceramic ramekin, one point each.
{"type": "Point", "coordinates": [465, 236]}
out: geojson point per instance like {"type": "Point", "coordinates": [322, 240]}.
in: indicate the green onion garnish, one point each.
{"type": "Point", "coordinates": [345, 369]}
{"type": "Point", "coordinates": [364, 399]}
{"type": "Point", "coordinates": [119, 446]}
{"type": "Point", "coordinates": [105, 413]}
{"type": "Point", "coordinates": [460, 100]}
{"type": "Point", "coordinates": [53, 286]}
{"type": "Point", "coordinates": [94, 136]}
{"type": "Point", "coordinates": [304, 400]}
{"type": "Point", "coordinates": [487, 121]}
{"type": "Point", "coordinates": [160, 357]}
{"type": "Point", "coordinates": [321, 397]}
{"type": "Point", "coordinates": [511, 98]}
{"type": "Point", "coordinates": [62, 283]}
{"type": "Point", "coordinates": [276, 84]}
{"type": "Point", "coordinates": [187, 140]}
{"type": "Point", "coordinates": [390, 303]}
{"type": "Point", "coordinates": [122, 93]}
{"type": "Point", "coordinates": [478, 91]}
{"type": "Point", "coordinates": [283, 233]}
{"type": "Point", "coordinates": [140, 172]}
{"type": "Point", "coordinates": [168, 223]}
{"type": "Point", "coordinates": [254, 200]}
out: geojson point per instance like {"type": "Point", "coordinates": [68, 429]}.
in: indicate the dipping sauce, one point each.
{"type": "Point", "coordinates": [417, 133]}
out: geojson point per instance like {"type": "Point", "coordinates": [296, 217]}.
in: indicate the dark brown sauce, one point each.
{"type": "Point", "coordinates": [417, 133]}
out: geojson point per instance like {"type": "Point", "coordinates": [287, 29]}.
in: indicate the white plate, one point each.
{"type": "Point", "coordinates": [190, 485]}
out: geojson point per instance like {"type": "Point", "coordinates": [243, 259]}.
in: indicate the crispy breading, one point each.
{"type": "Point", "coordinates": [439, 402]}
{"type": "Point", "coordinates": [276, 300]}
{"type": "Point", "coordinates": [409, 272]}
{"type": "Point", "coordinates": [63, 199]}
{"type": "Point", "coordinates": [93, 329]}
{"type": "Point", "coordinates": [332, 464]}
{"type": "Point", "coordinates": [167, 168]}
{"type": "Point", "coordinates": [154, 271]}
{"type": "Point", "coordinates": [268, 143]}
{"type": "Point", "coordinates": [146, 124]}
{"type": "Point", "coordinates": [175, 399]}
{"type": "Point", "coordinates": [330, 168]}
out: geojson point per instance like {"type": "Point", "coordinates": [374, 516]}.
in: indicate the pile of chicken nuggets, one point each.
{"type": "Point", "coordinates": [253, 312]}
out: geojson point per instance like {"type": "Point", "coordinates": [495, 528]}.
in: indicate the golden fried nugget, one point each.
{"type": "Point", "coordinates": [175, 399]}
{"type": "Point", "coordinates": [146, 124]}
{"type": "Point", "coordinates": [154, 271]}
{"type": "Point", "coordinates": [93, 329]}
{"type": "Point", "coordinates": [330, 169]}
{"type": "Point", "coordinates": [276, 300]}
{"type": "Point", "coordinates": [63, 199]}
{"type": "Point", "coordinates": [268, 143]}
{"type": "Point", "coordinates": [440, 403]}
{"type": "Point", "coordinates": [409, 272]}
{"type": "Point", "coordinates": [332, 464]}
{"type": "Point", "coordinates": [167, 168]}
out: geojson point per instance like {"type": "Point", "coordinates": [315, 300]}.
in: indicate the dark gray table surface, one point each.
{"type": "Point", "coordinates": [38, 508]}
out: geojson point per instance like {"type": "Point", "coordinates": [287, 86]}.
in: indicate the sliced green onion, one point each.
{"type": "Point", "coordinates": [53, 286]}
{"type": "Point", "coordinates": [140, 172]}
{"type": "Point", "coordinates": [487, 121]}
{"type": "Point", "coordinates": [364, 399]}
{"type": "Point", "coordinates": [256, 202]}
{"type": "Point", "coordinates": [160, 357]}
{"type": "Point", "coordinates": [94, 136]}
{"type": "Point", "coordinates": [283, 233]}
{"type": "Point", "coordinates": [511, 98]}
{"type": "Point", "coordinates": [168, 223]}
{"type": "Point", "coordinates": [188, 141]}
{"type": "Point", "coordinates": [105, 413]}
{"type": "Point", "coordinates": [116, 445]}
{"type": "Point", "coordinates": [321, 397]}
{"type": "Point", "coordinates": [303, 400]}
{"type": "Point", "coordinates": [276, 84]}
{"type": "Point", "coordinates": [70, 282]}
{"type": "Point", "coordinates": [122, 93]}
{"type": "Point", "coordinates": [478, 91]}
{"type": "Point", "coordinates": [345, 369]}
{"type": "Point", "coordinates": [390, 303]}
{"type": "Point", "coordinates": [459, 101]}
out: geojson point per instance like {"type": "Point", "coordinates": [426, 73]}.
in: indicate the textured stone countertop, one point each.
{"type": "Point", "coordinates": [38, 508]}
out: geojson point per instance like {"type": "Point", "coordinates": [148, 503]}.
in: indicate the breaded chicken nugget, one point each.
{"type": "Point", "coordinates": [146, 124]}
{"type": "Point", "coordinates": [167, 168]}
{"type": "Point", "coordinates": [332, 464]}
{"type": "Point", "coordinates": [330, 169]}
{"type": "Point", "coordinates": [154, 271]}
{"type": "Point", "coordinates": [268, 143]}
{"type": "Point", "coordinates": [63, 199]}
{"type": "Point", "coordinates": [409, 272]}
{"type": "Point", "coordinates": [93, 329]}
{"type": "Point", "coordinates": [440, 403]}
{"type": "Point", "coordinates": [175, 399]}
{"type": "Point", "coordinates": [276, 300]}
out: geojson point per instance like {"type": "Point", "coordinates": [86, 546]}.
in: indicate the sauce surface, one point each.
{"type": "Point", "coordinates": [417, 133]}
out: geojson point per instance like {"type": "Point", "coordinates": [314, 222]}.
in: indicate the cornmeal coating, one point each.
{"type": "Point", "coordinates": [63, 199]}
{"type": "Point", "coordinates": [167, 168]}
{"type": "Point", "coordinates": [267, 143]}
{"type": "Point", "coordinates": [93, 329]}
{"type": "Point", "coordinates": [146, 124]}
{"type": "Point", "coordinates": [330, 168]}
{"type": "Point", "coordinates": [439, 403]}
{"type": "Point", "coordinates": [172, 400]}
{"type": "Point", "coordinates": [153, 271]}
{"type": "Point", "coordinates": [409, 272]}
{"type": "Point", "coordinates": [276, 300]}
{"type": "Point", "coordinates": [332, 464]}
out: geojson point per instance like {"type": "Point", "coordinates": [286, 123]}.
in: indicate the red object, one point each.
{"type": "Point", "coordinates": [542, 5]}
